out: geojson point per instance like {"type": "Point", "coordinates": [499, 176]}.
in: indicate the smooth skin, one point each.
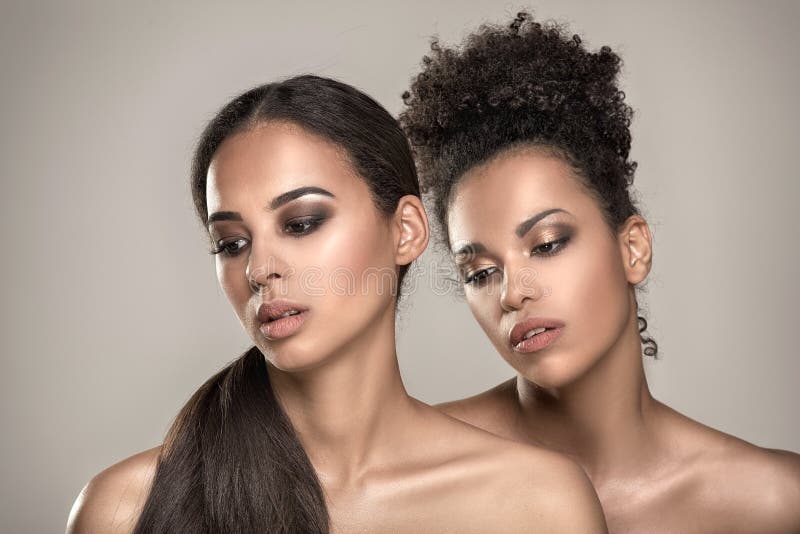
{"type": "Point", "coordinates": [387, 462]}
{"type": "Point", "coordinates": [585, 395]}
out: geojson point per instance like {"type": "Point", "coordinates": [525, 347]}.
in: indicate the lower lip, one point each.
{"type": "Point", "coordinates": [283, 327]}
{"type": "Point", "coordinates": [539, 341]}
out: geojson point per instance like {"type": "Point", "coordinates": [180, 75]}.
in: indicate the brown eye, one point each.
{"type": "Point", "coordinates": [479, 277]}
{"type": "Point", "coordinates": [230, 248]}
{"type": "Point", "coordinates": [300, 226]}
{"type": "Point", "coordinates": [550, 248]}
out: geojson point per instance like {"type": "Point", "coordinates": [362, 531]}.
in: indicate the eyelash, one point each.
{"type": "Point", "coordinates": [560, 244]}
{"type": "Point", "coordinates": [224, 250]}
{"type": "Point", "coordinates": [310, 224]}
{"type": "Point", "coordinates": [479, 277]}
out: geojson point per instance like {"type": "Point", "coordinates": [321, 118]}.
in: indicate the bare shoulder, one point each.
{"type": "Point", "coordinates": [554, 493]}
{"type": "Point", "coordinates": [759, 486]}
{"type": "Point", "coordinates": [489, 410]}
{"type": "Point", "coordinates": [113, 498]}
{"type": "Point", "coordinates": [754, 488]}
{"type": "Point", "coordinates": [528, 488]}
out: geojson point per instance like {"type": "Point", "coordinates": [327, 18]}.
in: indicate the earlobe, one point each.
{"type": "Point", "coordinates": [412, 229]}
{"type": "Point", "coordinates": [637, 249]}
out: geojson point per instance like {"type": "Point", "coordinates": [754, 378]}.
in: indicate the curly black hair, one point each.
{"type": "Point", "coordinates": [525, 83]}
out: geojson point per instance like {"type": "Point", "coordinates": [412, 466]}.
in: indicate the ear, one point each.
{"type": "Point", "coordinates": [410, 229]}
{"type": "Point", "coordinates": [636, 247]}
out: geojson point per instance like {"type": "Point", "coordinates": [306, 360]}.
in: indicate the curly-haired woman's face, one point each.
{"type": "Point", "coordinates": [297, 230]}
{"type": "Point", "coordinates": [543, 272]}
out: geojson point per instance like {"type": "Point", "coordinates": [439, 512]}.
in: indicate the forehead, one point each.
{"type": "Point", "coordinates": [273, 158]}
{"type": "Point", "coordinates": [499, 194]}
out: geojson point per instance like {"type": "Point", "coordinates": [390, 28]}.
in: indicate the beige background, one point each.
{"type": "Point", "coordinates": [111, 311]}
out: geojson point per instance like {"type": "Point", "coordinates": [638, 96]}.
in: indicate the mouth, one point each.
{"type": "Point", "coordinates": [534, 334]}
{"type": "Point", "coordinates": [280, 319]}
{"type": "Point", "coordinates": [289, 313]}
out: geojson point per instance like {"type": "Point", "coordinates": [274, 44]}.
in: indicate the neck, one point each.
{"type": "Point", "coordinates": [605, 419]}
{"type": "Point", "coordinates": [346, 410]}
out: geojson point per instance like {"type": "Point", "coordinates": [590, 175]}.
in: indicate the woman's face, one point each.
{"type": "Point", "coordinates": [299, 236]}
{"type": "Point", "coordinates": [535, 252]}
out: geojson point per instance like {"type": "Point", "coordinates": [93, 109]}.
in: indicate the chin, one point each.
{"type": "Point", "coordinates": [549, 371]}
{"type": "Point", "coordinates": [291, 357]}
{"type": "Point", "coordinates": [294, 363]}
{"type": "Point", "coordinates": [548, 381]}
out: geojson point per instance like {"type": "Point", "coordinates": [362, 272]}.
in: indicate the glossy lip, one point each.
{"type": "Point", "coordinates": [272, 325]}
{"type": "Point", "coordinates": [273, 309]}
{"type": "Point", "coordinates": [526, 325]}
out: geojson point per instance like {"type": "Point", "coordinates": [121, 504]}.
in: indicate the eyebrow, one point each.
{"type": "Point", "coordinates": [470, 248]}
{"type": "Point", "coordinates": [521, 229]}
{"type": "Point", "coordinates": [277, 202]}
{"type": "Point", "coordinates": [529, 223]}
{"type": "Point", "coordinates": [288, 196]}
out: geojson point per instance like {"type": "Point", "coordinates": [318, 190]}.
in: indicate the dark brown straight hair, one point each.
{"type": "Point", "coordinates": [231, 461]}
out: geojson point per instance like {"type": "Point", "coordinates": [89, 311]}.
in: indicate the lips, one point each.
{"type": "Point", "coordinates": [522, 328]}
{"type": "Point", "coordinates": [275, 309]}
{"type": "Point", "coordinates": [280, 318]}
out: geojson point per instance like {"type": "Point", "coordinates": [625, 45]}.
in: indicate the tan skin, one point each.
{"type": "Point", "coordinates": [387, 462]}
{"type": "Point", "coordinates": [585, 395]}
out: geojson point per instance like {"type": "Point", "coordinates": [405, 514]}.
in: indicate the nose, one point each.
{"type": "Point", "coordinates": [263, 268]}
{"type": "Point", "coordinates": [520, 283]}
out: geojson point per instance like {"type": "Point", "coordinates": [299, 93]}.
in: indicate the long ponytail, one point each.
{"type": "Point", "coordinates": [233, 463]}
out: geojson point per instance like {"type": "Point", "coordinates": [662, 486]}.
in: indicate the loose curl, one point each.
{"type": "Point", "coordinates": [526, 83]}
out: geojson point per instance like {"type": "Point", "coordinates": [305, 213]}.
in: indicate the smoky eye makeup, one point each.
{"type": "Point", "coordinates": [299, 208]}
{"type": "Point", "coordinates": [302, 218]}
{"type": "Point", "coordinates": [550, 239]}
{"type": "Point", "coordinates": [477, 275]}
{"type": "Point", "coordinates": [227, 246]}
{"type": "Point", "coordinates": [297, 219]}
{"type": "Point", "coordinates": [219, 241]}
{"type": "Point", "coordinates": [305, 224]}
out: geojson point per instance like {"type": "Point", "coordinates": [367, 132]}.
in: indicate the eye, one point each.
{"type": "Point", "coordinates": [550, 248]}
{"type": "Point", "coordinates": [479, 277]}
{"type": "Point", "coordinates": [300, 226]}
{"type": "Point", "coordinates": [229, 248]}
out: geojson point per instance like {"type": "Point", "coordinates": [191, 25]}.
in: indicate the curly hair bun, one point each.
{"type": "Point", "coordinates": [525, 82]}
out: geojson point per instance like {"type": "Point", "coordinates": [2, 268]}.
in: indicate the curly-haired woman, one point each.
{"type": "Point", "coordinates": [522, 138]}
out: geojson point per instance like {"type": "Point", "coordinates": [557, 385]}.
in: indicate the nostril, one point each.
{"type": "Point", "coordinates": [259, 274]}
{"type": "Point", "coordinates": [258, 282]}
{"type": "Point", "coordinates": [255, 286]}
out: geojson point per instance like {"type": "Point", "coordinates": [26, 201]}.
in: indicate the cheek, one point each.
{"type": "Point", "coordinates": [354, 253]}
{"type": "Point", "coordinates": [597, 291]}
{"type": "Point", "coordinates": [233, 282]}
{"type": "Point", "coordinates": [485, 307]}
{"type": "Point", "coordinates": [366, 247]}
